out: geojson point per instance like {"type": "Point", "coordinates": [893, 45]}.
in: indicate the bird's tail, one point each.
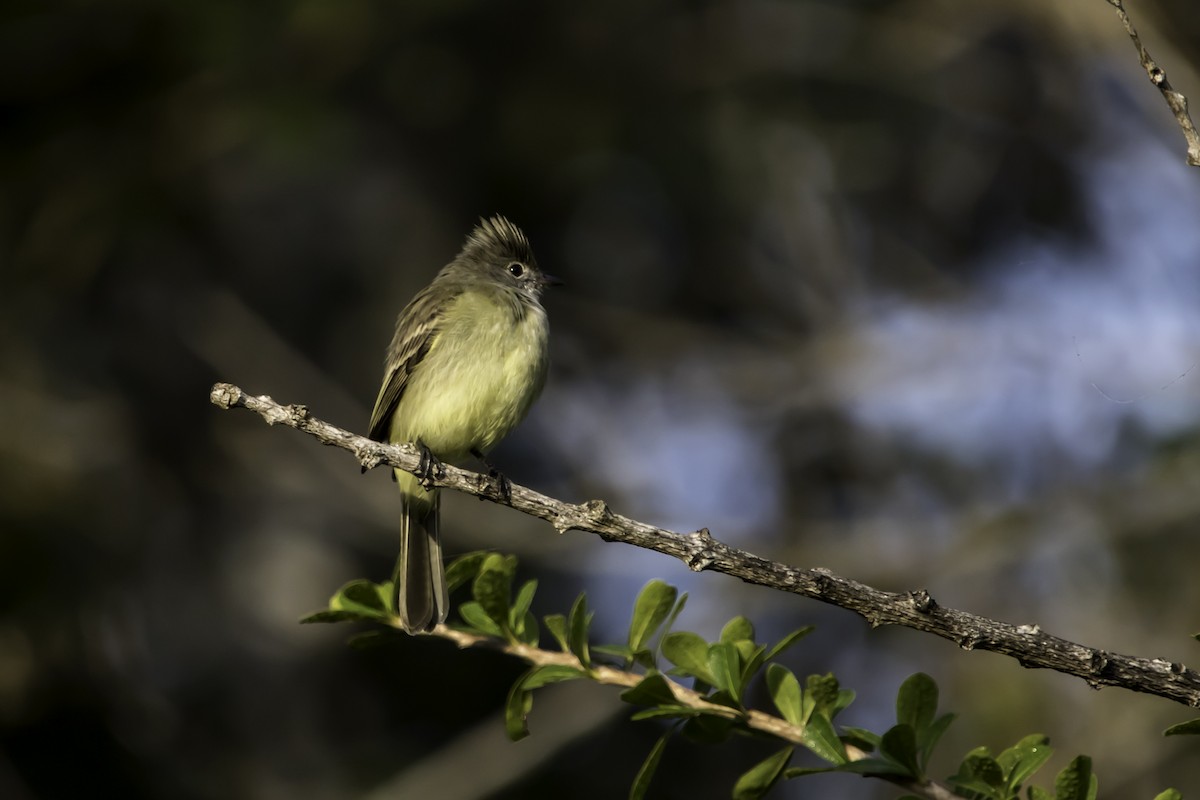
{"type": "Point", "coordinates": [420, 576]}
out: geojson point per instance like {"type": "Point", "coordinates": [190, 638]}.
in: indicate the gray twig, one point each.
{"type": "Point", "coordinates": [917, 609]}
{"type": "Point", "coordinates": [1176, 100]}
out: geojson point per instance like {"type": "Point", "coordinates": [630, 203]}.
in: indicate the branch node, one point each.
{"type": "Point", "coordinates": [823, 578]}
{"type": "Point", "coordinates": [597, 512]}
{"type": "Point", "coordinates": [225, 395]}
{"type": "Point", "coordinates": [1099, 663]}
{"type": "Point", "coordinates": [969, 641]}
{"type": "Point", "coordinates": [922, 601]}
{"type": "Point", "coordinates": [298, 410]}
{"type": "Point", "coordinates": [368, 457]}
{"type": "Point", "coordinates": [702, 555]}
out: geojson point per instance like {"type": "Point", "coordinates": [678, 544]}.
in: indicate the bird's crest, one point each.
{"type": "Point", "coordinates": [497, 238]}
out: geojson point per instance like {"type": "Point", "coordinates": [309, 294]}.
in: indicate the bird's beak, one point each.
{"type": "Point", "coordinates": [550, 280]}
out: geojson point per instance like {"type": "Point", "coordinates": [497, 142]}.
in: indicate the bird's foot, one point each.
{"type": "Point", "coordinates": [500, 482]}
{"type": "Point", "coordinates": [429, 468]}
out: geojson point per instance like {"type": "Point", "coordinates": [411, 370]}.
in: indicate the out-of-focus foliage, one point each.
{"type": "Point", "coordinates": [889, 287]}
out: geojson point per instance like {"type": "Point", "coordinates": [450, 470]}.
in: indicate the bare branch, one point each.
{"type": "Point", "coordinates": [1176, 100]}
{"type": "Point", "coordinates": [754, 719]}
{"type": "Point", "coordinates": [916, 609]}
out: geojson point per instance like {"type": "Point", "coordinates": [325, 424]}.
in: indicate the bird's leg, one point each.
{"type": "Point", "coordinates": [429, 468]}
{"type": "Point", "coordinates": [503, 484]}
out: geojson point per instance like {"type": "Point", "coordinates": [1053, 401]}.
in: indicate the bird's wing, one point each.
{"type": "Point", "coordinates": [414, 336]}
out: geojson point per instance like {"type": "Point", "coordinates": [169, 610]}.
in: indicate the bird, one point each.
{"type": "Point", "coordinates": [468, 359]}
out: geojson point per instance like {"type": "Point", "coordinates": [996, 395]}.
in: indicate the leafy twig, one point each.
{"type": "Point", "coordinates": [611, 676]}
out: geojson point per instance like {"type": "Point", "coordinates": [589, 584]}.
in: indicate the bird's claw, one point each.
{"type": "Point", "coordinates": [503, 485]}
{"type": "Point", "coordinates": [429, 468]}
{"type": "Point", "coordinates": [499, 482]}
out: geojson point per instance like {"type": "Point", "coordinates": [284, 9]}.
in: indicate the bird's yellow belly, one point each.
{"type": "Point", "coordinates": [474, 386]}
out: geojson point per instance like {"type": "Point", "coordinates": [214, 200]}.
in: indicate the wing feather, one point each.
{"type": "Point", "coordinates": [415, 330]}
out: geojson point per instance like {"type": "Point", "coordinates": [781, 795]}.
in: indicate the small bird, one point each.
{"type": "Point", "coordinates": [468, 359]}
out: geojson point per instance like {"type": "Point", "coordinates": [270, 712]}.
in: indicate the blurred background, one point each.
{"type": "Point", "coordinates": [905, 289]}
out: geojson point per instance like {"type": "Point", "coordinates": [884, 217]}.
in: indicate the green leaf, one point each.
{"type": "Point", "coordinates": [737, 629]}
{"type": "Point", "coordinates": [527, 632]}
{"type": "Point", "coordinates": [873, 766]}
{"type": "Point", "coordinates": [689, 652]}
{"type": "Point", "coordinates": [550, 673]}
{"type": "Point", "coordinates": [619, 651]}
{"type": "Point", "coordinates": [475, 617]}
{"type": "Point", "coordinates": [708, 728]}
{"type": "Point", "coordinates": [861, 738]}
{"type": "Point", "coordinates": [753, 657]}
{"type": "Point", "coordinates": [577, 630]}
{"type": "Point", "coordinates": [1169, 794]}
{"type": "Point", "coordinates": [1039, 794]}
{"type": "Point", "coordinates": [758, 780]}
{"type": "Point", "coordinates": [789, 640]}
{"type": "Point", "coordinates": [844, 698]}
{"type": "Point", "coordinates": [331, 616]}
{"type": "Point", "coordinates": [675, 612]}
{"type": "Point", "coordinates": [723, 698]}
{"type": "Point", "coordinates": [642, 781]}
{"type": "Point", "coordinates": [979, 772]}
{"type": "Point", "coordinates": [492, 588]}
{"type": "Point", "coordinates": [726, 667]}
{"type": "Point", "coordinates": [557, 625]}
{"type": "Point", "coordinates": [899, 745]}
{"type": "Point", "coordinates": [516, 710]}
{"type": "Point", "coordinates": [823, 690]}
{"type": "Point", "coordinates": [652, 690]}
{"type": "Point", "coordinates": [520, 606]}
{"type": "Point", "coordinates": [1024, 758]}
{"type": "Point", "coordinates": [679, 712]}
{"type": "Point", "coordinates": [785, 692]}
{"type": "Point", "coordinates": [1076, 781]}
{"type": "Point", "coordinates": [362, 598]}
{"type": "Point", "coordinates": [916, 702]}
{"type": "Point", "coordinates": [1189, 728]}
{"type": "Point", "coordinates": [823, 741]}
{"type": "Point", "coordinates": [463, 569]}
{"type": "Point", "coordinates": [798, 772]}
{"type": "Point", "coordinates": [928, 738]}
{"type": "Point", "coordinates": [653, 605]}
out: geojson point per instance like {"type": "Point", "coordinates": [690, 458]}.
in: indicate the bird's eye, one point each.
{"type": "Point", "coordinates": [516, 269]}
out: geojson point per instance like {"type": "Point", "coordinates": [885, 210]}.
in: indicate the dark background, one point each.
{"type": "Point", "coordinates": [907, 290]}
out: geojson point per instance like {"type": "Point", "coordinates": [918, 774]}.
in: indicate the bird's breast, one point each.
{"type": "Point", "coordinates": [485, 367]}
